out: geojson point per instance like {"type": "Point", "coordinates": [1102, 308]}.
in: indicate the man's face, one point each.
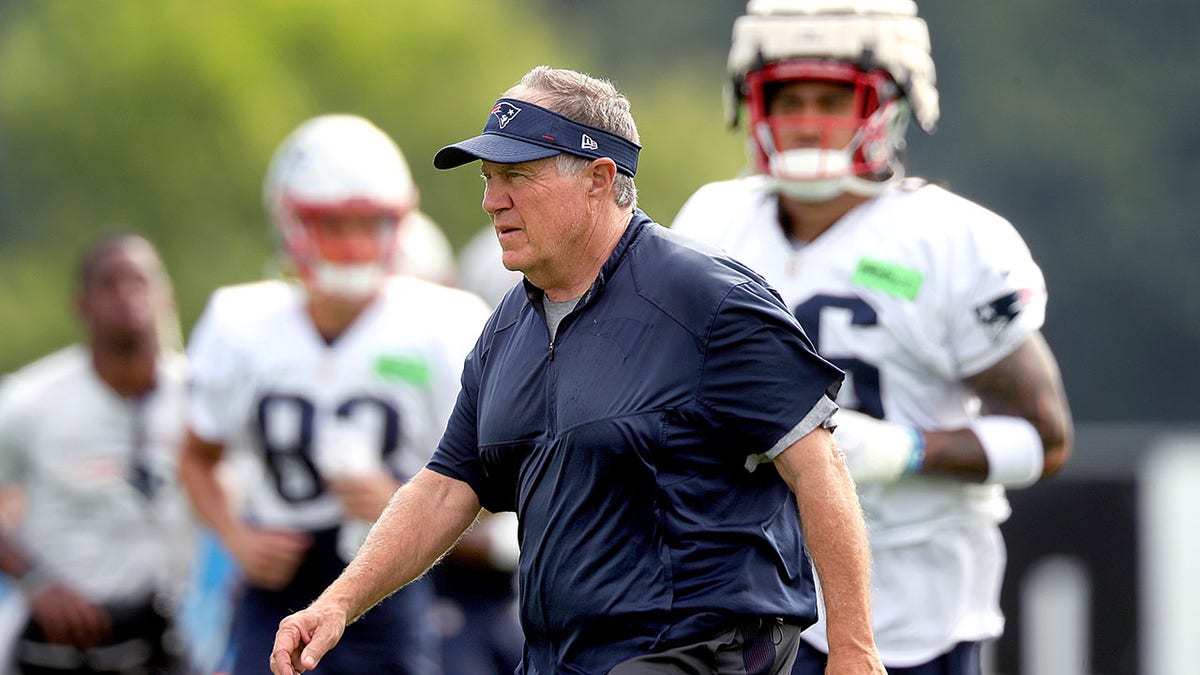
{"type": "Point", "coordinates": [343, 254]}
{"type": "Point", "coordinates": [813, 114]}
{"type": "Point", "coordinates": [539, 215]}
{"type": "Point", "coordinates": [353, 239]}
{"type": "Point", "coordinates": [124, 295]}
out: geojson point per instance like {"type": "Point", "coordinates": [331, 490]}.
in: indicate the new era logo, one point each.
{"type": "Point", "coordinates": [587, 143]}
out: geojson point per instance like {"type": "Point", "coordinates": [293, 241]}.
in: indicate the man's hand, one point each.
{"type": "Point", "coordinates": [363, 497]}
{"type": "Point", "coordinates": [68, 618]}
{"type": "Point", "coordinates": [269, 558]}
{"type": "Point", "coordinates": [877, 451]}
{"type": "Point", "coordinates": [305, 637]}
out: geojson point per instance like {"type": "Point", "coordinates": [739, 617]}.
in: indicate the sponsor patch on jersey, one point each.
{"type": "Point", "coordinates": [1000, 312]}
{"type": "Point", "coordinates": [893, 279]}
{"type": "Point", "coordinates": [411, 369]}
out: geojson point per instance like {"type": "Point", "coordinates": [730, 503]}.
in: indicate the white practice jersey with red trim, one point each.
{"type": "Point", "coordinates": [292, 410]}
{"type": "Point", "coordinates": [909, 293]}
{"type": "Point", "coordinates": [81, 452]}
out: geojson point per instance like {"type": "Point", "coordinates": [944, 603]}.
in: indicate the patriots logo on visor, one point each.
{"type": "Point", "coordinates": [504, 112]}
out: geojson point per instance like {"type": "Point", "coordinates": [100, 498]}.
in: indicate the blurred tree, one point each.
{"type": "Point", "coordinates": [1071, 119]}
{"type": "Point", "coordinates": [163, 115]}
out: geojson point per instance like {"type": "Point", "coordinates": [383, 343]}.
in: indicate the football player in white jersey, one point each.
{"type": "Point", "coordinates": [929, 302]}
{"type": "Point", "coordinates": [91, 436]}
{"type": "Point", "coordinates": [325, 394]}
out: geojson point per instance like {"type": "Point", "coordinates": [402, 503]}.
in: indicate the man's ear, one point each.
{"type": "Point", "coordinates": [603, 173]}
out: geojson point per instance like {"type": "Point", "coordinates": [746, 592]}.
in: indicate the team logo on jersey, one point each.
{"type": "Point", "coordinates": [587, 143]}
{"type": "Point", "coordinates": [998, 313]}
{"type": "Point", "coordinates": [505, 112]}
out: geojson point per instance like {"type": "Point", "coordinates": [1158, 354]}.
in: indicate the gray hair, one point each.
{"type": "Point", "coordinates": [587, 100]}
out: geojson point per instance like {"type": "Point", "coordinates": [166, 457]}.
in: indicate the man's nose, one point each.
{"type": "Point", "coordinates": [495, 198]}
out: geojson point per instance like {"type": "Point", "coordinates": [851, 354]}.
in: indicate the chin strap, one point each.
{"type": "Point", "coordinates": [353, 282]}
{"type": "Point", "coordinates": [823, 190]}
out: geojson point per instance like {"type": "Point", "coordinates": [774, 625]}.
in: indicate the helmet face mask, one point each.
{"type": "Point", "coordinates": [337, 191]}
{"type": "Point", "coordinates": [341, 252]}
{"type": "Point", "coordinates": [858, 139]}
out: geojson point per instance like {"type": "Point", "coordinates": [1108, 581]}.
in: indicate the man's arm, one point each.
{"type": "Point", "coordinates": [1025, 385]}
{"type": "Point", "coordinates": [1024, 434]}
{"type": "Point", "coordinates": [268, 558]}
{"type": "Point", "coordinates": [836, 538]}
{"type": "Point", "coordinates": [421, 522]}
{"type": "Point", "coordinates": [64, 614]}
{"type": "Point", "coordinates": [198, 462]}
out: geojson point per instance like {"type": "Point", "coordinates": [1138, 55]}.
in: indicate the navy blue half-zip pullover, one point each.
{"type": "Point", "coordinates": [623, 447]}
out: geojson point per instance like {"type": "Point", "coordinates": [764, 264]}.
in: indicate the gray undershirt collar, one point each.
{"type": "Point", "coordinates": [555, 311]}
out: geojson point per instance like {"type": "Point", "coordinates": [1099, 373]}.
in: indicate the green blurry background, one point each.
{"type": "Point", "coordinates": [1076, 120]}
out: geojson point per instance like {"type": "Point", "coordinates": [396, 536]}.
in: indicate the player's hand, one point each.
{"type": "Point", "coordinates": [877, 451]}
{"type": "Point", "coordinates": [68, 618]}
{"type": "Point", "coordinates": [304, 638]}
{"type": "Point", "coordinates": [269, 558]}
{"type": "Point", "coordinates": [363, 497]}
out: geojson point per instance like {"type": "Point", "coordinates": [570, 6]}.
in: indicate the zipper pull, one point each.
{"type": "Point", "coordinates": [551, 350]}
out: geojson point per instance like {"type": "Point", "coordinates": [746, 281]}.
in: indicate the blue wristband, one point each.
{"type": "Point", "coordinates": [917, 457]}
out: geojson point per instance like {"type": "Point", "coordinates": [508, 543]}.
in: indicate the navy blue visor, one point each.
{"type": "Point", "coordinates": [518, 131]}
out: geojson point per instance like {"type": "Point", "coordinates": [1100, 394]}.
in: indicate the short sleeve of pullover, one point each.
{"type": "Point", "coordinates": [761, 375]}
{"type": "Point", "coordinates": [457, 455]}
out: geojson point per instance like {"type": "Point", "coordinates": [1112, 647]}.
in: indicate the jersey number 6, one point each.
{"type": "Point", "coordinates": [863, 377]}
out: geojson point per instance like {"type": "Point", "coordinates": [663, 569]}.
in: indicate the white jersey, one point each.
{"type": "Point", "coordinates": [909, 293]}
{"type": "Point", "coordinates": [74, 444]}
{"type": "Point", "coordinates": [291, 409]}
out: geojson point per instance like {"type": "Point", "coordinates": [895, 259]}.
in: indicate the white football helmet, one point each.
{"type": "Point", "coordinates": [481, 267]}
{"type": "Point", "coordinates": [424, 251]}
{"type": "Point", "coordinates": [880, 47]}
{"type": "Point", "coordinates": [338, 165]}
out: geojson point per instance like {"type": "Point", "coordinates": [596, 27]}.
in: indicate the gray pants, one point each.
{"type": "Point", "coordinates": [755, 647]}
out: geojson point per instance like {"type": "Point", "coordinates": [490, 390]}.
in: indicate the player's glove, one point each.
{"type": "Point", "coordinates": [877, 451]}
